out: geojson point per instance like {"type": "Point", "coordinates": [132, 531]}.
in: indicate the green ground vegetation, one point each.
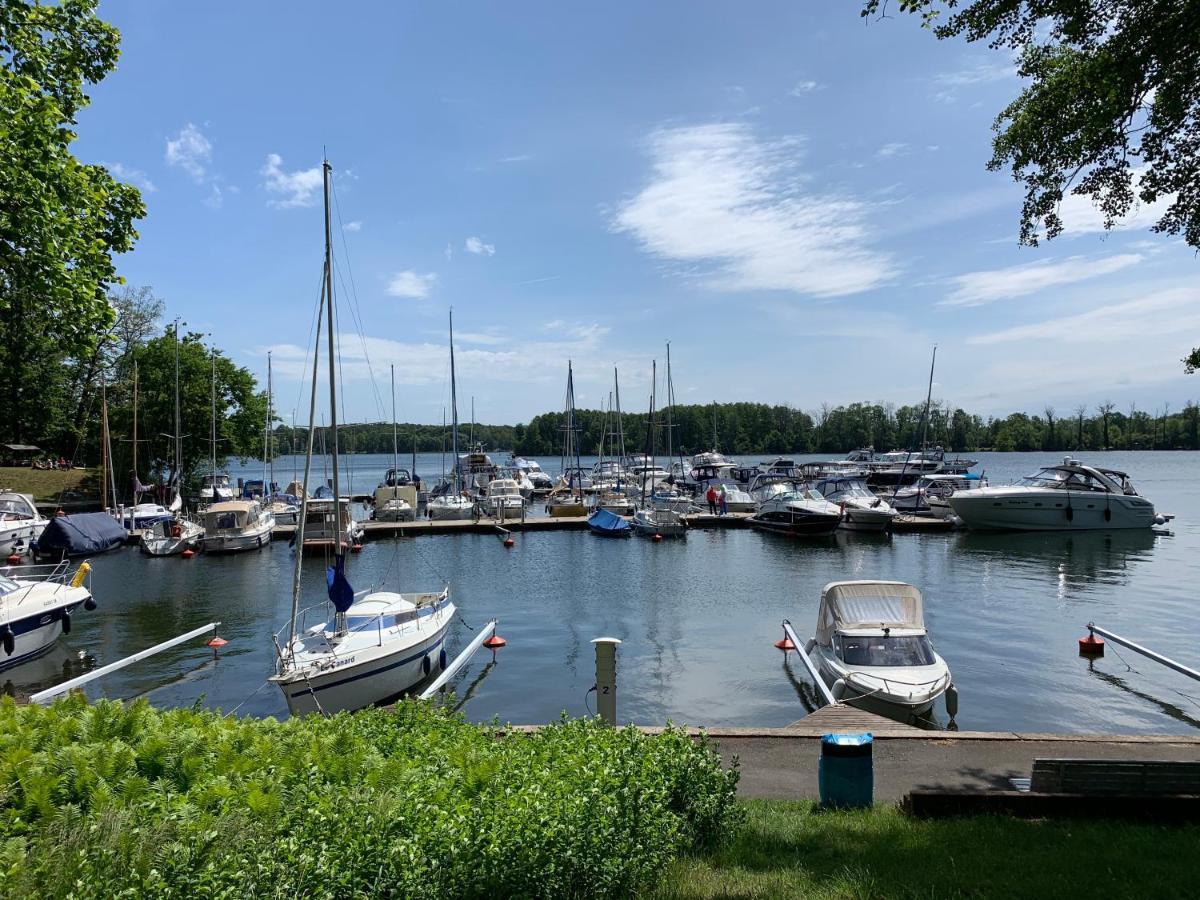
{"type": "Point", "coordinates": [111, 800]}
{"type": "Point", "coordinates": [794, 849]}
{"type": "Point", "coordinates": [51, 486]}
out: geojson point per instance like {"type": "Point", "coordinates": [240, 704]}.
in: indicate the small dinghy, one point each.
{"type": "Point", "coordinates": [873, 651]}
{"type": "Point", "coordinates": [608, 524]}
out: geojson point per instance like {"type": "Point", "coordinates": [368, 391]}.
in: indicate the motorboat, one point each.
{"type": "Point", "coordinates": [396, 497]}
{"type": "Point", "coordinates": [321, 529]}
{"type": "Point", "coordinates": [608, 524]}
{"type": "Point", "coordinates": [666, 497]}
{"type": "Point", "coordinates": [378, 647]}
{"type": "Point", "coordinates": [861, 510]}
{"type": "Point", "coordinates": [872, 650]}
{"type": "Point", "coordinates": [532, 470]}
{"type": "Point", "coordinates": [476, 469]}
{"type": "Point", "coordinates": [798, 510]}
{"type": "Point", "coordinates": [141, 515]}
{"type": "Point", "coordinates": [36, 603]}
{"type": "Point", "coordinates": [285, 507]}
{"type": "Point", "coordinates": [236, 525]}
{"type": "Point", "coordinates": [665, 522]}
{"type": "Point", "coordinates": [930, 494]}
{"type": "Point", "coordinates": [20, 523]}
{"type": "Point", "coordinates": [1070, 496]}
{"type": "Point", "coordinates": [215, 488]}
{"type": "Point", "coordinates": [172, 537]}
{"type": "Point", "coordinates": [524, 484]}
{"type": "Point", "coordinates": [736, 499]}
{"type": "Point", "coordinates": [502, 498]}
{"type": "Point", "coordinates": [699, 477]}
{"type": "Point", "coordinates": [79, 534]}
{"type": "Point", "coordinates": [713, 457]}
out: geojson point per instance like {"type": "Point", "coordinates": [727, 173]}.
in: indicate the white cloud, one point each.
{"type": "Point", "coordinates": [895, 148]}
{"type": "Point", "coordinates": [136, 177]}
{"type": "Point", "coordinates": [982, 72]}
{"type": "Point", "coordinates": [721, 199]}
{"type": "Point", "coordinates": [189, 150]}
{"type": "Point", "coordinates": [413, 285]}
{"type": "Point", "coordinates": [1080, 216]}
{"type": "Point", "coordinates": [800, 88]}
{"type": "Point", "coordinates": [298, 188]}
{"type": "Point", "coordinates": [352, 226]}
{"type": "Point", "coordinates": [487, 338]}
{"type": "Point", "coordinates": [478, 247]}
{"type": "Point", "coordinates": [520, 157]}
{"type": "Point", "coordinates": [448, 252]}
{"type": "Point", "coordinates": [978, 288]}
{"type": "Point", "coordinates": [1170, 312]}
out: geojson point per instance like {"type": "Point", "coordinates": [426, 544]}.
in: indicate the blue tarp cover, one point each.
{"type": "Point", "coordinates": [605, 521]}
{"type": "Point", "coordinates": [341, 594]}
{"type": "Point", "coordinates": [81, 534]}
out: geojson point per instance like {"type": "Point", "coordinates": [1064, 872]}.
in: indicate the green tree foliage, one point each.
{"type": "Point", "coordinates": [1111, 109]}
{"type": "Point", "coordinates": [61, 221]}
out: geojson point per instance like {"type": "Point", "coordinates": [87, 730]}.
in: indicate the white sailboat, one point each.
{"type": "Point", "coordinates": [452, 504]}
{"type": "Point", "coordinates": [375, 646]}
{"type": "Point", "coordinates": [567, 497]}
{"type": "Point", "coordinates": [396, 495]}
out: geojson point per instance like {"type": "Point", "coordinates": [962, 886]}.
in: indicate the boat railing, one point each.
{"type": "Point", "coordinates": [890, 684]}
{"type": "Point", "coordinates": [376, 621]}
{"type": "Point", "coordinates": [59, 573]}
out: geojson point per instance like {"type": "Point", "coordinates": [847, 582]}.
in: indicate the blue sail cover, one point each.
{"type": "Point", "coordinates": [607, 522]}
{"type": "Point", "coordinates": [341, 594]}
{"type": "Point", "coordinates": [82, 534]}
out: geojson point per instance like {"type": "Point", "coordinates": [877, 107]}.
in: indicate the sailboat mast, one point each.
{"type": "Point", "coordinates": [326, 169]}
{"type": "Point", "coordinates": [103, 445]}
{"type": "Point", "coordinates": [178, 420]}
{"type": "Point", "coordinates": [270, 485]}
{"type": "Point", "coordinates": [571, 395]}
{"type": "Point", "coordinates": [453, 412]}
{"type": "Point", "coordinates": [928, 398]}
{"type": "Point", "coordinates": [670, 398]}
{"type": "Point", "coordinates": [136, 492]}
{"type": "Point", "coordinates": [395, 434]}
{"type": "Point", "coordinates": [650, 428]}
{"type": "Point", "coordinates": [213, 445]}
{"type": "Point", "coordinates": [620, 423]}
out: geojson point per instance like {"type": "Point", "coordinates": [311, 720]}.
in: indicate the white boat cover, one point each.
{"type": "Point", "coordinates": [846, 605]}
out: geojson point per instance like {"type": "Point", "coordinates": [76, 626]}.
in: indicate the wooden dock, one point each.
{"type": "Point", "coordinates": [842, 719]}
{"type": "Point", "coordinates": [923, 524]}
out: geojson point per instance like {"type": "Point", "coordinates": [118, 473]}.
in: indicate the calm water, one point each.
{"type": "Point", "coordinates": [698, 617]}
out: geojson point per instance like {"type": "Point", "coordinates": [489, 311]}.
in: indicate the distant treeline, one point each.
{"type": "Point", "coordinates": [753, 428]}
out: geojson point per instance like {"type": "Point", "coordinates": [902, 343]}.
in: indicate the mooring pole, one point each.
{"type": "Point", "coordinates": [606, 678]}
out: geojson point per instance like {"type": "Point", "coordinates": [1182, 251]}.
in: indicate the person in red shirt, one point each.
{"type": "Point", "coordinates": [711, 497]}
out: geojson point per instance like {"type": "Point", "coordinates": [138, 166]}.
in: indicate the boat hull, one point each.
{"type": "Point", "coordinates": [440, 513]}
{"type": "Point", "coordinates": [857, 518]}
{"type": "Point", "coordinates": [796, 524]}
{"type": "Point", "coordinates": [18, 539]}
{"type": "Point", "coordinates": [992, 509]}
{"type": "Point", "coordinates": [236, 543]}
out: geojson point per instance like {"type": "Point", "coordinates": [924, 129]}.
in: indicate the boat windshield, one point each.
{"type": "Point", "coordinates": [846, 487]}
{"type": "Point", "coordinates": [802, 494]}
{"type": "Point", "coordinates": [1063, 480]}
{"type": "Point", "coordinates": [7, 584]}
{"type": "Point", "coordinates": [14, 509]}
{"type": "Point", "coordinates": [884, 650]}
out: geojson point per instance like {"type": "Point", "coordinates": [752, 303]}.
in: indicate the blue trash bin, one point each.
{"type": "Point", "coordinates": [846, 774]}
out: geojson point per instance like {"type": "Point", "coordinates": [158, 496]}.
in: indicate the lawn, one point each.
{"type": "Point", "coordinates": [48, 485]}
{"type": "Point", "coordinates": [789, 849]}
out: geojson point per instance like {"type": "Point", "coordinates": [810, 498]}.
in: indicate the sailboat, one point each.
{"type": "Point", "coordinates": [567, 498]}
{"type": "Point", "coordinates": [138, 515]}
{"type": "Point", "coordinates": [653, 519]}
{"type": "Point", "coordinates": [396, 496]}
{"type": "Point", "coordinates": [214, 487]}
{"type": "Point", "coordinates": [376, 646]}
{"type": "Point", "coordinates": [283, 506]}
{"type": "Point", "coordinates": [452, 504]}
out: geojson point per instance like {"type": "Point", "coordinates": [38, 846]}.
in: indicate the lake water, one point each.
{"type": "Point", "coordinates": [697, 618]}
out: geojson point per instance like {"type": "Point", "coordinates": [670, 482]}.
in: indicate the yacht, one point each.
{"type": "Point", "coordinates": [215, 488]}
{"type": "Point", "coordinates": [1067, 497]}
{"type": "Point", "coordinates": [872, 649]}
{"type": "Point", "coordinates": [236, 525]}
{"type": "Point", "coordinates": [20, 523]}
{"type": "Point", "coordinates": [476, 469]}
{"type": "Point", "coordinates": [797, 509]}
{"type": "Point", "coordinates": [614, 500]}
{"type": "Point", "coordinates": [141, 515]}
{"type": "Point", "coordinates": [532, 470]}
{"type": "Point", "coordinates": [396, 497]}
{"type": "Point", "coordinates": [861, 510]}
{"type": "Point", "coordinates": [320, 529]}
{"type": "Point", "coordinates": [284, 507]}
{"type": "Point", "coordinates": [930, 493]}
{"type": "Point", "coordinates": [454, 503]}
{"type": "Point", "coordinates": [36, 603]}
{"type": "Point", "coordinates": [713, 457]}
{"type": "Point", "coordinates": [502, 498]}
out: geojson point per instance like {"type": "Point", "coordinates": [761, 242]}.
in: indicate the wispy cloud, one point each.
{"type": "Point", "coordinates": [448, 252]}
{"type": "Point", "coordinates": [352, 226]}
{"type": "Point", "coordinates": [136, 177]}
{"type": "Point", "coordinates": [1171, 312]}
{"type": "Point", "coordinates": [410, 284]}
{"type": "Point", "coordinates": [478, 247]}
{"type": "Point", "coordinates": [895, 148]}
{"type": "Point", "coordinates": [189, 150]}
{"type": "Point", "coordinates": [978, 288]}
{"type": "Point", "coordinates": [735, 205]}
{"type": "Point", "coordinates": [800, 88]}
{"type": "Point", "coordinates": [950, 84]}
{"type": "Point", "coordinates": [1080, 216]}
{"type": "Point", "coordinates": [520, 157]}
{"type": "Point", "coordinates": [292, 189]}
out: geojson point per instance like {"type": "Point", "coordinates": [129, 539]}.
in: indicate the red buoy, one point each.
{"type": "Point", "coordinates": [510, 543]}
{"type": "Point", "coordinates": [785, 643]}
{"type": "Point", "coordinates": [657, 537]}
{"type": "Point", "coordinates": [188, 553]}
{"type": "Point", "coordinates": [217, 642]}
{"type": "Point", "coordinates": [1091, 646]}
{"type": "Point", "coordinates": [495, 642]}
{"type": "Point", "coordinates": [15, 559]}
{"type": "Point", "coordinates": [356, 548]}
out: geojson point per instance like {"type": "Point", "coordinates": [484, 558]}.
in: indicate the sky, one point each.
{"type": "Point", "coordinates": [797, 200]}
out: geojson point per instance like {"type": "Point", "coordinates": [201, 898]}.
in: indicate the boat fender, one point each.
{"type": "Point", "coordinates": [90, 604]}
{"type": "Point", "coordinates": [80, 574]}
{"type": "Point", "coordinates": [8, 639]}
{"type": "Point", "coordinates": [952, 701]}
{"type": "Point", "coordinates": [66, 621]}
{"type": "Point", "coordinates": [425, 666]}
{"type": "Point", "coordinates": [1070, 513]}
{"type": "Point", "coordinates": [1160, 520]}
{"type": "Point", "coordinates": [442, 660]}
{"type": "Point", "coordinates": [838, 689]}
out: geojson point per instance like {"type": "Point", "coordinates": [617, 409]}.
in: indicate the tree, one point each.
{"type": "Point", "coordinates": [1111, 109]}
{"type": "Point", "coordinates": [61, 221]}
{"type": "Point", "coordinates": [1052, 444]}
{"type": "Point", "coordinates": [1105, 409]}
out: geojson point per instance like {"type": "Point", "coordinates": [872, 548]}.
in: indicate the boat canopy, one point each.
{"type": "Point", "coordinates": [230, 514]}
{"type": "Point", "coordinates": [81, 534]}
{"type": "Point", "coordinates": [847, 605]}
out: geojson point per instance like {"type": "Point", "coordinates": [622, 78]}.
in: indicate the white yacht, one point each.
{"type": "Point", "coordinates": [737, 500]}
{"type": "Point", "coordinates": [215, 488]}
{"type": "Point", "coordinates": [861, 510]}
{"type": "Point", "coordinates": [320, 529]}
{"type": "Point", "coordinates": [236, 525]}
{"type": "Point", "coordinates": [929, 493]}
{"type": "Point", "coordinates": [532, 470]}
{"type": "Point", "coordinates": [713, 457]}
{"type": "Point", "coordinates": [141, 515]}
{"type": "Point", "coordinates": [872, 650]}
{"type": "Point", "coordinates": [20, 523]}
{"type": "Point", "coordinates": [396, 497]}
{"type": "Point", "coordinates": [284, 507]}
{"type": "Point", "coordinates": [36, 603]}
{"type": "Point", "coordinates": [1067, 497]}
{"type": "Point", "coordinates": [502, 497]}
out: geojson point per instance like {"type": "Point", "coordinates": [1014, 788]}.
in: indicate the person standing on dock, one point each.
{"type": "Point", "coordinates": [711, 497]}
{"type": "Point", "coordinates": [721, 500]}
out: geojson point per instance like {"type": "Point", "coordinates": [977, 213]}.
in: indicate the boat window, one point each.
{"type": "Point", "coordinates": [7, 584]}
{"type": "Point", "coordinates": [226, 520]}
{"type": "Point", "coordinates": [14, 509]}
{"type": "Point", "coordinates": [884, 650]}
{"type": "Point", "coordinates": [1062, 479]}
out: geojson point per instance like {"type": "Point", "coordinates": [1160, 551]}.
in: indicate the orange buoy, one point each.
{"type": "Point", "coordinates": [785, 643]}
{"type": "Point", "coordinates": [188, 553]}
{"type": "Point", "coordinates": [1091, 646]}
{"type": "Point", "coordinates": [217, 642]}
{"type": "Point", "coordinates": [15, 559]}
{"type": "Point", "coordinates": [510, 543]}
{"type": "Point", "coordinates": [495, 642]}
{"type": "Point", "coordinates": [356, 548]}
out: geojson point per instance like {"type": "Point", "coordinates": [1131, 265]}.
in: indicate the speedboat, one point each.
{"type": "Point", "coordinates": [36, 603]}
{"type": "Point", "coordinates": [861, 510]}
{"type": "Point", "coordinates": [171, 537]}
{"type": "Point", "coordinates": [376, 647]}
{"type": "Point", "coordinates": [797, 511]}
{"type": "Point", "coordinates": [930, 493]}
{"type": "Point", "coordinates": [736, 499]}
{"type": "Point", "coordinates": [713, 457]}
{"type": "Point", "coordinates": [1067, 497]}
{"type": "Point", "coordinates": [215, 488]}
{"type": "Point", "coordinates": [502, 497]}
{"type": "Point", "coordinates": [608, 524]}
{"type": "Point", "coordinates": [236, 525]}
{"type": "Point", "coordinates": [531, 469]}
{"type": "Point", "coordinates": [20, 523]}
{"type": "Point", "coordinates": [872, 650]}
{"type": "Point", "coordinates": [665, 522]}
{"type": "Point", "coordinates": [396, 497]}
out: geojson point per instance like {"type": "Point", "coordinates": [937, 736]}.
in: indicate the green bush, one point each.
{"type": "Point", "coordinates": [111, 800]}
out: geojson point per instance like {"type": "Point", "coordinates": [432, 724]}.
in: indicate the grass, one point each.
{"type": "Point", "coordinates": [789, 849]}
{"type": "Point", "coordinates": [48, 485]}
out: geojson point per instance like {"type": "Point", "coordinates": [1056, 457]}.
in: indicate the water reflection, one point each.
{"type": "Point", "coordinates": [57, 665]}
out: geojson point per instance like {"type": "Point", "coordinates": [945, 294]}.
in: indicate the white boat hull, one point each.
{"type": "Point", "coordinates": [238, 543]}
{"type": "Point", "coordinates": [18, 539]}
{"type": "Point", "coordinates": [450, 512]}
{"type": "Point", "coordinates": [857, 518]}
{"type": "Point", "coordinates": [1002, 509]}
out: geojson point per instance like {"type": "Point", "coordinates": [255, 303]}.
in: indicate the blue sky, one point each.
{"type": "Point", "coordinates": [797, 200]}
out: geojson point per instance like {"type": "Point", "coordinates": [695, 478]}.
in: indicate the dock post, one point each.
{"type": "Point", "coordinates": [606, 678]}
